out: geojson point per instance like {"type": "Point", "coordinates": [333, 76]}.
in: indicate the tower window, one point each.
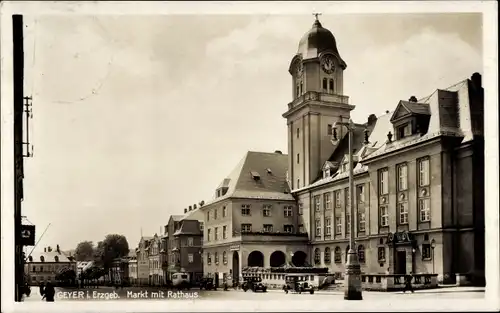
{"type": "Point", "coordinates": [298, 132]}
{"type": "Point", "coordinates": [325, 85]}
{"type": "Point", "coordinates": [331, 86]}
{"type": "Point", "coordinates": [298, 158]}
{"type": "Point", "coordinates": [301, 88]}
{"type": "Point", "coordinates": [298, 91]}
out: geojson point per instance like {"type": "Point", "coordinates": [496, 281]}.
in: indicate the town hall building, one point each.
{"type": "Point", "coordinates": [418, 176]}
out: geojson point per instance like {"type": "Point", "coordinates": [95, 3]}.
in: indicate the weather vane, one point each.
{"type": "Point", "coordinates": [316, 15]}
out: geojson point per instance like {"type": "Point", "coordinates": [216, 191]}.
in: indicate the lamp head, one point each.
{"type": "Point", "coordinates": [433, 243]}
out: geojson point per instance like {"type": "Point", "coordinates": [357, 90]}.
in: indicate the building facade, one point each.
{"type": "Point", "coordinates": [418, 171]}
{"type": "Point", "coordinates": [253, 220]}
{"type": "Point", "coordinates": [43, 266]}
{"type": "Point", "coordinates": [155, 261]}
{"type": "Point", "coordinates": [143, 261]}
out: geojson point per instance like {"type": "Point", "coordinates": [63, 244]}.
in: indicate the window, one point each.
{"type": "Point", "coordinates": [298, 132]}
{"type": "Point", "coordinates": [338, 226]}
{"type": "Point", "coordinates": [347, 198]}
{"type": "Point", "coordinates": [246, 228]}
{"type": "Point", "coordinates": [330, 129]}
{"type": "Point", "coordinates": [426, 251]}
{"type": "Point", "coordinates": [301, 87]}
{"type": "Point", "coordinates": [381, 254]}
{"type": "Point", "coordinates": [266, 210]}
{"type": "Point", "coordinates": [245, 209]}
{"type": "Point", "coordinates": [347, 223]}
{"type": "Point", "coordinates": [336, 195]}
{"type": "Point", "coordinates": [288, 228]}
{"type": "Point", "coordinates": [328, 226]}
{"type": "Point", "coordinates": [360, 193]}
{"type": "Point", "coordinates": [384, 216]}
{"type": "Point", "coordinates": [328, 256]}
{"type": "Point", "coordinates": [331, 86]}
{"type": "Point", "coordinates": [362, 222]}
{"type": "Point", "coordinates": [287, 211]}
{"type": "Point", "coordinates": [337, 255]}
{"type": "Point", "coordinates": [423, 172]}
{"type": "Point", "coordinates": [297, 91]}
{"type": "Point", "coordinates": [347, 252]}
{"type": "Point", "coordinates": [209, 232]}
{"type": "Point", "coordinates": [383, 182]}
{"type": "Point", "coordinates": [224, 257]}
{"type": "Point", "coordinates": [268, 228]}
{"type": "Point", "coordinates": [361, 253]}
{"type": "Point", "coordinates": [215, 214]}
{"type": "Point", "coordinates": [190, 242]}
{"type": "Point", "coordinates": [224, 232]}
{"type": "Point", "coordinates": [325, 85]}
{"type": "Point", "coordinates": [404, 131]}
{"type": "Point", "coordinates": [403, 213]}
{"type": "Point", "coordinates": [326, 173]}
{"type": "Point", "coordinates": [301, 208]}
{"type": "Point", "coordinates": [201, 226]}
{"type": "Point", "coordinates": [424, 210]}
{"type": "Point", "coordinates": [298, 182]}
{"type": "Point", "coordinates": [216, 233]}
{"type": "Point", "coordinates": [317, 256]}
{"type": "Point", "coordinates": [317, 205]}
{"type": "Point", "coordinates": [208, 216]}
{"type": "Point", "coordinates": [190, 258]}
{"type": "Point", "coordinates": [216, 257]}
{"type": "Point", "coordinates": [327, 200]}
{"type": "Point", "coordinates": [402, 177]}
{"type": "Point", "coordinates": [209, 258]}
{"type": "Point", "coordinates": [298, 158]}
{"type": "Point", "coordinates": [318, 228]}
{"type": "Point", "coordinates": [301, 229]}
{"type": "Point", "coordinates": [224, 211]}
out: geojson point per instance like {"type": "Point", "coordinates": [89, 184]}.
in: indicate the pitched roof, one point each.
{"type": "Point", "coordinates": [177, 217]}
{"type": "Point", "coordinates": [48, 256]}
{"type": "Point", "coordinates": [270, 184]}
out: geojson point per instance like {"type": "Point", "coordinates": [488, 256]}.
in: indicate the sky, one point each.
{"type": "Point", "coordinates": [138, 117]}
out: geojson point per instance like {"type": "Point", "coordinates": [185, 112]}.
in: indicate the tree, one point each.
{"type": "Point", "coordinates": [84, 251]}
{"type": "Point", "coordinates": [113, 246]}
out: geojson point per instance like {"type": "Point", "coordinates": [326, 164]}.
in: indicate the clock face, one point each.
{"type": "Point", "coordinates": [328, 64]}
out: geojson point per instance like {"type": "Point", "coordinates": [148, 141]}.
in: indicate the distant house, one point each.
{"type": "Point", "coordinates": [44, 266]}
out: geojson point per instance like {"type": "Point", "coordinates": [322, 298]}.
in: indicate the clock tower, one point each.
{"type": "Point", "coordinates": [318, 102]}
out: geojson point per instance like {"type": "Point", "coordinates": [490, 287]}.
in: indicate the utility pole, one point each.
{"type": "Point", "coordinates": [353, 268]}
{"type": "Point", "coordinates": [18, 67]}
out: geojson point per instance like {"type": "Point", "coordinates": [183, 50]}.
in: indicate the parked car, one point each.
{"type": "Point", "coordinates": [207, 283]}
{"type": "Point", "coordinates": [181, 281]}
{"type": "Point", "coordinates": [253, 283]}
{"type": "Point", "coordinates": [293, 285]}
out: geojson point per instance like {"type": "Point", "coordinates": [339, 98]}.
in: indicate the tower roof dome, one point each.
{"type": "Point", "coordinates": [316, 41]}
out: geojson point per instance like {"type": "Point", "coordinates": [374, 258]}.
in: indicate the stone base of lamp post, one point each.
{"type": "Point", "coordinates": [353, 288]}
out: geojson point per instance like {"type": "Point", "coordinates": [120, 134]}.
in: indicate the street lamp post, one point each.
{"type": "Point", "coordinates": [353, 268]}
{"type": "Point", "coordinates": [433, 245]}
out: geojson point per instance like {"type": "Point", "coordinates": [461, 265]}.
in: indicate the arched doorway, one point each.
{"type": "Point", "coordinates": [299, 258]}
{"type": "Point", "coordinates": [256, 258]}
{"type": "Point", "coordinates": [277, 259]}
{"type": "Point", "coordinates": [236, 266]}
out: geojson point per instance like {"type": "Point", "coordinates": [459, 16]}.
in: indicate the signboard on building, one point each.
{"type": "Point", "coordinates": [27, 235]}
{"type": "Point", "coordinates": [234, 248]}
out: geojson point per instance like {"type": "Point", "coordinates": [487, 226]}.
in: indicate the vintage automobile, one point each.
{"type": "Point", "coordinates": [294, 285]}
{"type": "Point", "coordinates": [181, 281]}
{"type": "Point", "coordinates": [253, 283]}
{"type": "Point", "coordinates": [207, 283]}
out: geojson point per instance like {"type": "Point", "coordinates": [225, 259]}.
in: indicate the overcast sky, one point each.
{"type": "Point", "coordinates": [136, 118]}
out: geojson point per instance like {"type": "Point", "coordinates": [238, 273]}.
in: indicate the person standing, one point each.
{"type": "Point", "coordinates": [408, 286]}
{"type": "Point", "coordinates": [42, 289]}
{"type": "Point", "coordinates": [49, 292]}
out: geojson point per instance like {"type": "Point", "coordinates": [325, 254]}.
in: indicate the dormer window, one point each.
{"type": "Point", "coordinates": [56, 258]}
{"type": "Point", "coordinates": [42, 259]}
{"type": "Point", "coordinates": [326, 173]}
{"type": "Point", "coordinates": [404, 131]}
{"type": "Point", "coordinates": [255, 175]}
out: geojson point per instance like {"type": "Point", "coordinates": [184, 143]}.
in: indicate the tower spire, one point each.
{"type": "Point", "coordinates": [316, 16]}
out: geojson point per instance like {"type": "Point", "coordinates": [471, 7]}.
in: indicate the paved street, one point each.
{"type": "Point", "coordinates": [140, 293]}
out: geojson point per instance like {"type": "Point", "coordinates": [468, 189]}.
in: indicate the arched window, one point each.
{"type": "Point", "coordinates": [216, 258]}
{"type": "Point", "coordinates": [42, 259]}
{"type": "Point", "coordinates": [301, 88]}
{"type": "Point", "coordinates": [56, 258]}
{"type": "Point", "coordinates": [338, 255]}
{"type": "Point", "coordinates": [347, 252]}
{"type": "Point", "coordinates": [331, 86]}
{"type": "Point", "coordinates": [224, 257]}
{"type": "Point", "coordinates": [297, 91]}
{"type": "Point", "coordinates": [317, 256]}
{"type": "Point", "coordinates": [328, 256]}
{"type": "Point", "coordinates": [325, 85]}
{"type": "Point", "coordinates": [209, 258]}
{"type": "Point", "coordinates": [361, 253]}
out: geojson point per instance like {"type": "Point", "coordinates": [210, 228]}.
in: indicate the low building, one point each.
{"type": "Point", "coordinates": [44, 266]}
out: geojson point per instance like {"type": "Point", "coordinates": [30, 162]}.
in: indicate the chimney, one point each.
{"type": "Point", "coordinates": [49, 249]}
{"type": "Point", "coordinates": [477, 80]}
{"type": "Point", "coordinates": [386, 111]}
{"type": "Point", "coordinates": [44, 249]}
{"type": "Point", "coordinates": [194, 206]}
{"type": "Point", "coordinates": [190, 207]}
{"type": "Point", "coordinates": [413, 99]}
{"type": "Point", "coordinates": [202, 202]}
{"type": "Point", "coordinates": [58, 250]}
{"type": "Point", "coordinates": [372, 119]}
{"type": "Point", "coordinates": [278, 152]}
{"type": "Point", "coordinates": [185, 210]}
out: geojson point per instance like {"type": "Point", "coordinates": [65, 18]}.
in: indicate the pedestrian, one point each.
{"type": "Point", "coordinates": [49, 292]}
{"type": "Point", "coordinates": [408, 286]}
{"type": "Point", "coordinates": [42, 289]}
